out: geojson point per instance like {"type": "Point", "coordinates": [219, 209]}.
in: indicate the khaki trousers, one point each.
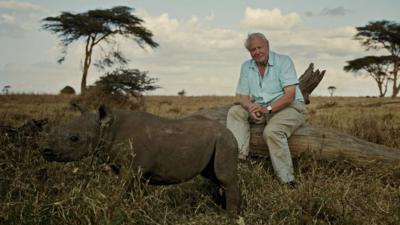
{"type": "Point", "coordinates": [279, 128]}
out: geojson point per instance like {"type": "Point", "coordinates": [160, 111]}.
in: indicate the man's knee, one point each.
{"type": "Point", "coordinates": [274, 132]}
{"type": "Point", "coordinates": [237, 112]}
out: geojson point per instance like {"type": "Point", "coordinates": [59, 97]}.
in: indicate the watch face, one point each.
{"type": "Point", "coordinates": [269, 107]}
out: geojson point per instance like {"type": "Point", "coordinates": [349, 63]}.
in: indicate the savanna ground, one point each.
{"type": "Point", "coordinates": [34, 191]}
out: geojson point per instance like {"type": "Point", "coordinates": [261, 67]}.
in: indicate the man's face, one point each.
{"type": "Point", "coordinates": [259, 50]}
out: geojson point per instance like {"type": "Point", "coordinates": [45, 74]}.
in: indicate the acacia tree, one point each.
{"type": "Point", "coordinates": [383, 35]}
{"type": "Point", "coordinates": [331, 90]}
{"type": "Point", "coordinates": [6, 89]}
{"type": "Point", "coordinates": [378, 67]}
{"type": "Point", "coordinates": [182, 93]}
{"type": "Point", "coordinates": [95, 27]}
{"type": "Point", "coordinates": [122, 81]}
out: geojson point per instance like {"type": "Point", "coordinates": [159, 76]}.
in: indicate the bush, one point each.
{"type": "Point", "coordinates": [67, 90]}
{"type": "Point", "coordinates": [122, 88]}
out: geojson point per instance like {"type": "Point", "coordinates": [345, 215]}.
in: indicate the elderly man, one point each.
{"type": "Point", "coordinates": [269, 90]}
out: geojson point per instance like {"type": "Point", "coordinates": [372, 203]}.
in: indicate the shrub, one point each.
{"type": "Point", "coordinates": [122, 88]}
{"type": "Point", "coordinates": [67, 90]}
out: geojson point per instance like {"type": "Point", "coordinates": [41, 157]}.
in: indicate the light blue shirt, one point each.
{"type": "Point", "coordinates": [280, 73]}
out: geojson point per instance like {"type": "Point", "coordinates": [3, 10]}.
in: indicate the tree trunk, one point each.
{"type": "Point", "coordinates": [395, 72]}
{"type": "Point", "coordinates": [327, 144]}
{"type": "Point", "coordinates": [86, 63]}
{"type": "Point", "coordinates": [322, 143]}
{"type": "Point", "coordinates": [84, 77]}
{"type": "Point", "coordinates": [380, 87]}
{"type": "Point", "coordinates": [309, 81]}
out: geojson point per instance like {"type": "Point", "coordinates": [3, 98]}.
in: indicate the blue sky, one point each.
{"type": "Point", "coordinates": [201, 42]}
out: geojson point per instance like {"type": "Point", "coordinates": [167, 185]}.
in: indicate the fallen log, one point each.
{"type": "Point", "coordinates": [322, 143]}
{"type": "Point", "coordinates": [327, 144]}
{"type": "Point", "coordinates": [379, 103]}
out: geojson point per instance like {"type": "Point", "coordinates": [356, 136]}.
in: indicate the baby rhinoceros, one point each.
{"type": "Point", "coordinates": [166, 151]}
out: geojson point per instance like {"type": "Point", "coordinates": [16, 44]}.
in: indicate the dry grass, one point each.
{"type": "Point", "coordinates": [33, 191]}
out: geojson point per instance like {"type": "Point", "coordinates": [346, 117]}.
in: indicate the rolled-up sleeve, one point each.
{"type": "Point", "coordinates": [288, 73]}
{"type": "Point", "coordinates": [243, 87]}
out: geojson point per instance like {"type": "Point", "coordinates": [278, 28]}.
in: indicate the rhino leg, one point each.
{"type": "Point", "coordinates": [225, 169]}
{"type": "Point", "coordinates": [209, 173]}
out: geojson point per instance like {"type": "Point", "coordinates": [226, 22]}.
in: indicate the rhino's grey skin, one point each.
{"type": "Point", "coordinates": [166, 151]}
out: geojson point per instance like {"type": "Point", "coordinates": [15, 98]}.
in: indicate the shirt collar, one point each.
{"type": "Point", "coordinates": [271, 60]}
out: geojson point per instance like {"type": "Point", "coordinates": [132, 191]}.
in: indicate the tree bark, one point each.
{"type": "Point", "coordinates": [396, 88]}
{"type": "Point", "coordinates": [321, 143]}
{"type": "Point", "coordinates": [87, 61]}
{"type": "Point", "coordinates": [327, 144]}
{"type": "Point", "coordinates": [309, 80]}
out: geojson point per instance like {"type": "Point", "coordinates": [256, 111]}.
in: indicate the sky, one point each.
{"type": "Point", "coordinates": [201, 42]}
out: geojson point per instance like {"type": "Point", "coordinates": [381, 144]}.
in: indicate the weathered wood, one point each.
{"type": "Point", "coordinates": [309, 80]}
{"type": "Point", "coordinates": [377, 103]}
{"type": "Point", "coordinates": [322, 143]}
{"type": "Point", "coordinates": [327, 144]}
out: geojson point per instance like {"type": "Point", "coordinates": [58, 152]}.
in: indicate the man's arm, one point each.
{"type": "Point", "coordinates": [245, 101]}
{"type": "Point", "coordinates": [287, 98]}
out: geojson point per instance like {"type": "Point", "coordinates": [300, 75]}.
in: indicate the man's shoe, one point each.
{"type": "Point", "coordinates": [292, 185]}
{"type": "Point", "coordinates": [242, 161]}
{"type": "Point", "coordinates": [242, 157]}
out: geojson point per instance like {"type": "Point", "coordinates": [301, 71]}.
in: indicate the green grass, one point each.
{"type": "Point", "coordinates": [34, 191]}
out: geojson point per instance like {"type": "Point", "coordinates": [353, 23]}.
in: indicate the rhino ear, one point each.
{"type": "Point", "coordinates": [79, 107]}
{"type": "Point", "coordinates": [105, 116]}
{"type": "Point", "coordinates": [41, 124]}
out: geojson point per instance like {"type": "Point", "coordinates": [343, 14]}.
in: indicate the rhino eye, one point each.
{"type": "Point", "coordinates": [74, 138]}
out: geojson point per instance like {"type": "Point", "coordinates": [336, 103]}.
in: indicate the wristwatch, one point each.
{"type": "Point", "coordinates": [269, 108]}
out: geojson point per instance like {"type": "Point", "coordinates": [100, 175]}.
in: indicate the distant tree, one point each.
{"type": "Point", "coordinates": [68, 90]}
{"type": "Point", "coordinates": [182, 93]}
{"type": "Point", "coordinates": [95, 27]}
{"type": "Point", "coordinates": [383, 35]}
{"type": "Point", "coordinates": [120, 88]}
{"type": "Point", "coordinates": [331, 90]}
{"type": "Point", "coordinates": [6, 89]}
{"type": "Point", "coordinates": [378, 67]}
{"type": "Point", "coordinates": [132, 82]}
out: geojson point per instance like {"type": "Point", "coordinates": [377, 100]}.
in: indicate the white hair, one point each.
{"type": "Point", "coordinates": [253, 36]}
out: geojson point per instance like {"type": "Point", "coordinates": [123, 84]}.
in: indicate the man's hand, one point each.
{"type": "Point", "coordinates": [256, 116]}
{"type": "Point", "coordinates": [253, 108]}
{"type": "Point", "coordinates": [255, 111]}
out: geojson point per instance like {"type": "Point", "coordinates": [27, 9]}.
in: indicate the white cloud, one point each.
{"type": "Point", "coordinates": [7, 30]}
{"type": "Point", "coordinates": [9, 27]}
{"type": "Point", "coordinates": [18, 18]}
{"type": "Point", "coordinates": [193, 55]}
{"type": "Point", "coordinates": [346, 32]}
{"type": "Point", "coordinates": [17, 5]}
{"type": "Point", "coordinates": [305, 41]}
{"type": "Point", "coordinates": [7, 18]}
{"type": "Point", "coordinates": [191, 34]}
{"type": "Point", "coordinates": [269, 19]}
{"type": "Point", "coordinates": [338, 11]}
